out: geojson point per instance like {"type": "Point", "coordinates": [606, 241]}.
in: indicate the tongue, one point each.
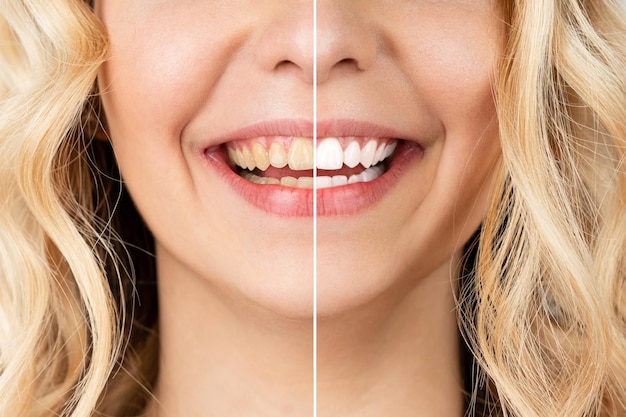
{"type": "Point", "coordinates": [287, 172]}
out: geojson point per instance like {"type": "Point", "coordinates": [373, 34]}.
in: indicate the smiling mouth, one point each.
{"type": "Point", "coordinates": [290, 162]}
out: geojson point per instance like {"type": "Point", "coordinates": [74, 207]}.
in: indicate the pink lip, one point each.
{"type": "Point", "coordinates": [304, 128]}
{"type": "Point", "coordinates": [298, 202]}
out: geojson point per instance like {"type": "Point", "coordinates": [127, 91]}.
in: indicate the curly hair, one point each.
{"type": "Point", "coordinates": [78, 310]}
{"type": "Point", "coordinates": [549, 325]}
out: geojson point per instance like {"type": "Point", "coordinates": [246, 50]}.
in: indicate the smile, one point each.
{"type": "Point", "coordinates": [289, 162]}
{"type": "Point", "coordinates": [275, 167]}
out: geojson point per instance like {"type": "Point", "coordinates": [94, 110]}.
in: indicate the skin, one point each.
{"type": "Point", "coordinates": [384, 290]}
{"type": "Point", "coordinates": [235, 283]}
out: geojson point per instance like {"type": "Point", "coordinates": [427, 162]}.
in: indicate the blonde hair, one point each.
{"type": "Point", "coordinates": [549, 323]}
{"type": "Point", "coordinates": [549, 327]}
{"type": "Point", "coordinates": [63, 323]}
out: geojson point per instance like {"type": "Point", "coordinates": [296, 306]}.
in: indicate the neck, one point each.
{"type": "Point", "coordinates": [220, 355]}
{"type": "Point", "coordinates": [397, 355]}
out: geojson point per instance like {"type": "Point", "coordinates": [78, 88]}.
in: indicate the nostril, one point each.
{"type": "Point", "coordinates": [286, 64]}
{"type": "Point", "coordinates": [348, 62]}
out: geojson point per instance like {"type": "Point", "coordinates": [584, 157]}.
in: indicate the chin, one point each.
{"type": "Point", "coordinates": [274, 291]}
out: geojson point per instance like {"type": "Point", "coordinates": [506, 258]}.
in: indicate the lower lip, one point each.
{"type": "Point", "coordinates": [298, 202]}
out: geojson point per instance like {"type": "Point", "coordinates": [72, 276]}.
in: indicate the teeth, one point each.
{"type": "Point", "coordinates": [323, 182]}
{"type": "Point", "coordinates": [305, 182]}
{"type": "Point", "coordinates": [370, 174]}
{"type": "Point", "coordinates": [289, 181]}
{"type": "Point", "coordinates": [339, 180]}
{"type": "Point", "coordinates": [389, 150]}
{"type": "Point", "coordinates": [379, 155]}
{"type": "Point", "coordinates": [300, 154]}
{"type": "Point", "coordinates": [367, 153]}
{"type": "Point", "coordinates": [240, 159]}
{"type": "Point", "coordinates": [299, 157]}
{"type": "Point", "coordinates": [259, 180]}
{"type": "Point", "coordinates": [278, 155]}
{"type": "Point", "coordinates": [329, 154]}
{"type": "Point", "coordinates": [352, 155]}
{"type": "Point", "coordinates": [248, 158]}
{"type": "Point", "coordinates": [261, 156]}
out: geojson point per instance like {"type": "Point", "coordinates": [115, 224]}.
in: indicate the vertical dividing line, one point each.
{"type": "Point", "coordinates": [314, 208]}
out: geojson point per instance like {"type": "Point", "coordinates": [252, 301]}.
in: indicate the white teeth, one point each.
{"type": "Point", "coordinates": [379, 154]}
{"type": "Point", "coordinates": [367, 154]}
{"type": "Point", "coordinates": [390, 149]}
{"type": "Point", "coordinates": [352, 155]}
{"type": "Point", "coordinates": [355, 178]}
{"type": "Point", "coordinates": [323, 182]}
{"type": "Point", "coordinates": [370, 174]}
{"type": "Point", "coordinates": [339, 180]}
{"type": "Point", "coordinates": [329, 154]}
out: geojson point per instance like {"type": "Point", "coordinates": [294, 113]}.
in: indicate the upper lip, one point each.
{"type": "Point", "coordinates": [305, 128]}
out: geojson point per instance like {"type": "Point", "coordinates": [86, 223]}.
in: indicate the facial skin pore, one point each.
{"type": "Point", "coordinates": [236, 281]}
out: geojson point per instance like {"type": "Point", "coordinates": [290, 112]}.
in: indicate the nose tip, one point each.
{"type": "Point", "coordinates": [292, 43]}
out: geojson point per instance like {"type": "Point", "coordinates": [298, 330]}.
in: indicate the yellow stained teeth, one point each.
{"type": "Point", "coordinates": [261, 156]}
{"type": "Point", "coordinates": [277, 155]}
{"type": "Point", "coordinates": [300, 154]}
{"type": "Point", "coordinates": [305, 182]}
{"type": "Point", "coordinates": [239, 159]}
{"type": "Point", "coordinates": [248, 159]}
{"type": "Point", "coordinates": [273, 181]}
{"type": "Point", "coordinates": [232, 155]}
{"type": "Point", "coordinates": [289, 181]}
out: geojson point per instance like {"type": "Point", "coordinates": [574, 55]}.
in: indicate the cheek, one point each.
{"type": "Point", "coordinates": [453, 67]}
{"type": "Point", "coordinates": [449, 51]}
{"type": "Point", "coordinates": [163, 63]}
{"type": "Point", "coordinates": [457, 80]}
{"type": "Point", "coordinates": [467, 161]}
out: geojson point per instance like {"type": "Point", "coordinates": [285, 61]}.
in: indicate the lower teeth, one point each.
{"type": "Point", "coordinates": [367, 175]}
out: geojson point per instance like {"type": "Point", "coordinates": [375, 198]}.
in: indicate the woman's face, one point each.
{"type": "Point", "coordinates": [194, 88]}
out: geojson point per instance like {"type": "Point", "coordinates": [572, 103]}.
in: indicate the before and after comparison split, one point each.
{"type": "Point", "coordinates": [312, 208]}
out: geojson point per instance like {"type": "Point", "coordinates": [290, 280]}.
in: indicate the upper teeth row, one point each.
{"type": "Point", "coordinates": [299, 155]}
